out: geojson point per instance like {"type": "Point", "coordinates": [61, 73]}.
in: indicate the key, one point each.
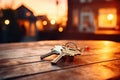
{"type": "Point", "coordinates": [66, 52]}
{"type": "Point", "coordinates": [54, 61]}
{"type": "Point", "coordinates": [56, 50]}
{"type": "Point", "coordinates": [46, 55]}
{"type": "Point", "coordinates": [69, 49]}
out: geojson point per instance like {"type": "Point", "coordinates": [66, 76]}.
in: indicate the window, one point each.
{"type": "Point", "coordinates": [87, 22]}
{"type": "Point", "coordinates": [107, 18]}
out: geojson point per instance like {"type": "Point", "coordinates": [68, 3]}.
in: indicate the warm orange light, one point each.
{"type": "Point", "coordinates": [7, 22]}
{"type": "Point", "coordinates": [39, 25]}
{"type": "Point", "coordinates": [60, 29]}
{"type": "Point", "coordinates": [105, 72]}
{"type": "Point", "coordinates": [75, 17]}
{"type": "Point", "coordinates": [44, 22]}
{"type": "Point", "coordinates": [110, 16]}
{"type": "Point", "coordinates": [26, 24]}
{"type": "Point", "coordinates": [107, 18]}
{"type": "Point", "coordinates": [107, 51]}
{"type": "Point", "coordinates": [52, 22]}
{"type": "Point", "coordinates": [41, 7]}
{"type": "Point", "coordinates": [28, 14]}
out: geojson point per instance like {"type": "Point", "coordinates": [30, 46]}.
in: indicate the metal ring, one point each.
{"type": "Point", "coordinates": [71, 45]}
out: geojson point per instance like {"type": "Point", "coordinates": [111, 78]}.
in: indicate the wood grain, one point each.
{"type": "Point", "coordinates": [22, 61]}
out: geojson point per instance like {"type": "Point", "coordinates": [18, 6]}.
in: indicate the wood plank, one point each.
{"type": "Point", "coordinates": [24, 52]}
{"type": "Point", "coordinates": [16, 50]}
{"type": "Point", "coordinates": [33, 58]}
{"type": "Point", "coordinates": [20, 59]}
{"type": "Point", "coordinates": [40, 67]}
{"type": "Point", "coordinates": [99, 71]}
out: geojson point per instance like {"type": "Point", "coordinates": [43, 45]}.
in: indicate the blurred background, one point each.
{"type": "Point", "coordinates": [28, 20]}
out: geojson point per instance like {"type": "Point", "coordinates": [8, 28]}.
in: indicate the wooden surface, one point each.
{"type": "Point", "coordinates": [21, 61]}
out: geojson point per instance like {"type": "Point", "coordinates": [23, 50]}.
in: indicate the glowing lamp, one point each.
{"type": "Point", "coordinates": [52, 22]}
{"type": "Point", "coordinates": [7, 22]}
{"type": "Point", "coordinates": [44, 22]}
{"type": "Point", "coordinates": [60, 29]}
{"type": "Point", "coordinates": [110, 16]}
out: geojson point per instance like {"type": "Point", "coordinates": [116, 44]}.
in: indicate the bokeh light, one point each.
{"type": "Point", "coordinates": [7, 22]}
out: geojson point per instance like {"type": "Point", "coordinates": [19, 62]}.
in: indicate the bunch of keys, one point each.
{"type": "Point", "coordinates": [69, 49]}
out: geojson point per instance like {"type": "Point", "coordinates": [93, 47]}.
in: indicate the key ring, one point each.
{"type": "Point", "coordinates": [71, 45]}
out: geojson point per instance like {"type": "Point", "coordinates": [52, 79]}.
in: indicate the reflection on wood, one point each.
{"type": "Point", "coordinates": [21, 61]}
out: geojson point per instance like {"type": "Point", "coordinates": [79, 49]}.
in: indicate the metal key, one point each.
{"type": "Point", "coordinates": [69, 49]}
{"type": "Point", "coordinates": [56, 50]}
{"type": "Point", "coordinates": [54, 61]}
{"type": "Point", "coordinates": [66, 52]}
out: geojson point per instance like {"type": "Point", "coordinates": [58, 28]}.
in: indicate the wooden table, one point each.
{"type": "Point", "coordinates": [21, 61]}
